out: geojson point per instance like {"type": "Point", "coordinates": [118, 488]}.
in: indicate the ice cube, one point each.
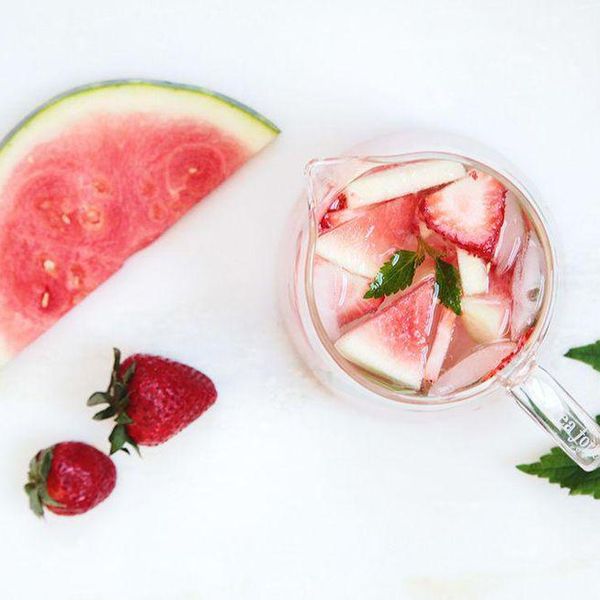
{"type": "Point", "coordinates": [441, 343]}
{"type": "Point", "coordinates": [473, 273]}
{"type": "Point", "coordinates": [471, 369]}
{"type": "Point", "coordinates": [512, 235]}
{"type": "Point", "coordinates": [527, 286]}
{"type": "Point", "coordinates": [339, 296]}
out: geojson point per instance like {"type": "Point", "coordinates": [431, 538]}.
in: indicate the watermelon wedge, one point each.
{"type": "Point", "coordinates": [393, 343]}
{"type": "Point", "coordinates": [99, 173]}
{"type": "Point", "coordinates": [364, 243]}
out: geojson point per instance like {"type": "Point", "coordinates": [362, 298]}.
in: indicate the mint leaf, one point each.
{"type": "Point", "coordinates": [396, 274]}
{"type": "Point", "coordinates": [589, 354]}
{"type": "Point", "coordinates": [449, 289]}
{"type": "Point", "coordinates": [558, 468]}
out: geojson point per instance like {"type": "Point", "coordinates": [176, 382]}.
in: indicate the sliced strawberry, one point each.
{"type": "Point", "coordinates": [441, 343]}
{"type": "Point", "coordinates": [435, 240]}
{"type": "Point", "coordinates": [393, 343]}
{"type": "Point", "coordinates": [339, 295]}
{"type": "Point", "coordinates": [363, 244]}
{"type": "Point", "coordinates": [468, 212]}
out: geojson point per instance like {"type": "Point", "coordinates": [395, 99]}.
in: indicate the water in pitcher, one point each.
{"type": "Point", "coordinates": [427, 273]}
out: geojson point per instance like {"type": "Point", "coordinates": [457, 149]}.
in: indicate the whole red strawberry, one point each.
{"type": "Point", "coordinates": [152, 398]}
{"type": "Point", "coordinates": [69, 478]}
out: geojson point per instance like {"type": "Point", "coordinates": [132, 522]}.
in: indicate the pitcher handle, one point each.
{"type": "Point", "coordinates": [556, 411]}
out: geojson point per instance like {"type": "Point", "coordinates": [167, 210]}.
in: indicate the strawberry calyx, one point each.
{"type": "Point", "coordinates": [117, 398]}
{"type": "Point", "coordinates": [36, 487]}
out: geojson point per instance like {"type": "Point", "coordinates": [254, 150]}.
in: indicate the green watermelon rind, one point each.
{"type": "Point", "coordinates": [89, 88]}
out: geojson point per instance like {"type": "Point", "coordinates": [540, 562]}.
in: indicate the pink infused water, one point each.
{"type": "Point", "coordinates": [427, 274]}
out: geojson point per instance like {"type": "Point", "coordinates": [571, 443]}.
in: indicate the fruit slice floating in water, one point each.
{"type": "Point", "coordinates": [340, 296]}
{"type": "Point", "coordinates": [387, 183]}
{"type": "Point", "coordinates": [468, 212]}
{"type": "Point", "coordinates": [473, 273]}
{"type": "Point", "coordinates": [97, 174]}
{"type": "Point", "coordinates": [441, 343]}
{"type": "Point", "coordinates": [436, 241]}
{"type": "Point", "coordinates": [363, 244]}
{"type": "Point", "coordinates": [472, 368]}
{"type": "Point", "coordinates": [486, 318]}
{"type": "Point", "coordinates": [393, 343]}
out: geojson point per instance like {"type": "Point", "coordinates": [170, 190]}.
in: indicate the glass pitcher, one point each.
{"type": "Point", "coordinates": [534, 389]}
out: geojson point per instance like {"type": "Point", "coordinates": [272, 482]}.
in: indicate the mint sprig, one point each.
{"type": "Point", "coordinates": [396, 274]}
{"type": "Point", "coordinates": [449, 288]}
{"type": "Point", "coordinates": [399, 272]}
{"type": "Point", "coordinates": [556, 466]}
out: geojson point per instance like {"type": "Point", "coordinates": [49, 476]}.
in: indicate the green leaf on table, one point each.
{"type": "Point", "coordinates": [558, 468]}
{"type": "Point", "coordinates": [449, 288]}
{"type": "Point", "coordinates": [589, 354]}
{"type": "Point", "coordinates": [396, 274]}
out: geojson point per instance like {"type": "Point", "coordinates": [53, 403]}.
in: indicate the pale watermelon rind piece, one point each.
{"type": "Point", "coordinates": [153, 96]}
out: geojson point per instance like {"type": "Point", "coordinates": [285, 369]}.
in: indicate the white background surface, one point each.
{"type": "Point", "coordinates": [281, 490]}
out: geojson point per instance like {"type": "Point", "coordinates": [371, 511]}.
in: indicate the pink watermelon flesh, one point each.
{"type": "Point", "coordinates": [364, 243]}
{"type": "Point", "coordinates": [340, 296]}
{"type": "Point", "coordinates": [83, 202]}
{"type": "Point", "coordinates": [393, 343]}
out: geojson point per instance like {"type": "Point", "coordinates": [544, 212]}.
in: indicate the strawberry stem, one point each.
{"type": "Point", "coordinates": [36, 487]}
{"type": "Point", "coordinates": [117, 398]}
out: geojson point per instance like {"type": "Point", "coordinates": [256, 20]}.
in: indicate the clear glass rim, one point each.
{"type": "Point", "coordinates": [525, 357]}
